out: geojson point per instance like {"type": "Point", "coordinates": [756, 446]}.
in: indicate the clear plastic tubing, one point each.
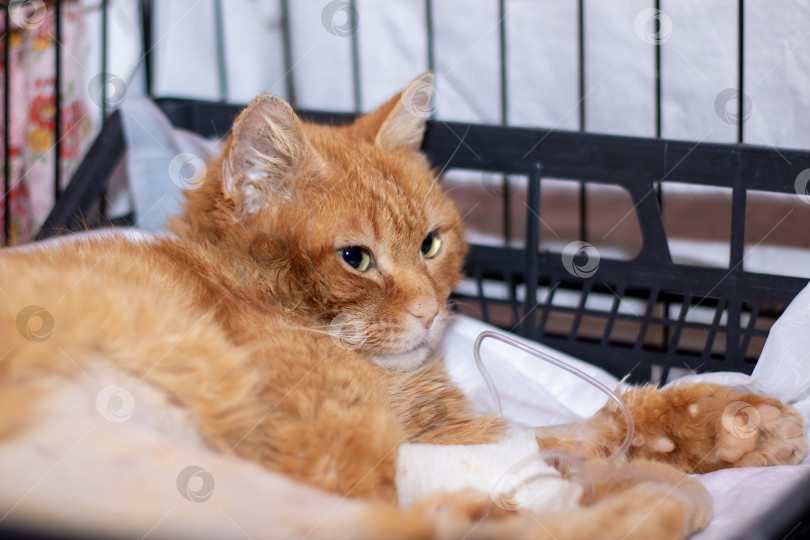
{"type": "Point", "coordinates": [628, 438]}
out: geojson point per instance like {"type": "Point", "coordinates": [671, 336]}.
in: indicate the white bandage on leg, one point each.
{"type": "Point", "coordinates": [423, 469]}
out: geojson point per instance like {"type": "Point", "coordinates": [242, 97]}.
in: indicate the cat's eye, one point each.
{"type": "Point", "coordinates": [431, 245]}
{"type": "Point", "coordinates": [357, 257]}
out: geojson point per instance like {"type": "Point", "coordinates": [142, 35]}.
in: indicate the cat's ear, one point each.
{"type": "Point", "coordinates": [400, 123]}
{"type": "Point", "coordinates": [268, 152]}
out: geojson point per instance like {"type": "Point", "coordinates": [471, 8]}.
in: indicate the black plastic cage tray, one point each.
{"type": "Point", "coordinates": [742, 303]}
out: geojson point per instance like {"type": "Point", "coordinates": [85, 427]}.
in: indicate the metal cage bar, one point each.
{"type": "Point", "coordinates": [222, 68]}
{"type": "Point", "coordinates": [6, 122]}
{"type": "Point", "coordinates": [286, 36]}
{"type": "Point", "coordinates": [57, 90]}
{"type": "Point", "coordinates": [355, 40]}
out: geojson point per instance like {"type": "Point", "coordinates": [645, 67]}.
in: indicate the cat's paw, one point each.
{"type": "Point", "coordinates": [653, 482]}
{"type": "Point", "coordinates": [705, 427]}
{"type": "Point", "coordinates": [758, 431]}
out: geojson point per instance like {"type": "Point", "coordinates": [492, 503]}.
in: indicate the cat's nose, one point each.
{"type": "Point", "coordinates": [424, 309]}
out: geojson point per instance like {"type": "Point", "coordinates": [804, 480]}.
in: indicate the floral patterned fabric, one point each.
{"type": "Point", "coordinates": [32, 113]}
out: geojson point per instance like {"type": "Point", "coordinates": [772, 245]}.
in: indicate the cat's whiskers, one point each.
{"type": "Point", "coordinates": [355, 339]}
{"type": "Point", "coordinates": [359, 339]}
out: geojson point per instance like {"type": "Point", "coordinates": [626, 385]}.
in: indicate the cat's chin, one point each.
{"type": "Point", "coordinates": [406, 361]}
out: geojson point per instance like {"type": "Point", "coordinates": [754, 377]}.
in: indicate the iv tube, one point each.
{"type": "Point", "coordinates": [628, 438]}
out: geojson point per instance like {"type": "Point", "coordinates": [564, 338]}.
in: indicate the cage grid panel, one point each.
{"type": "Point", "coordinates": [638, 166]}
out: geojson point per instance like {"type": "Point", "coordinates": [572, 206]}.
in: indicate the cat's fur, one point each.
{"type": "Point", "coordinates": [282, 353]}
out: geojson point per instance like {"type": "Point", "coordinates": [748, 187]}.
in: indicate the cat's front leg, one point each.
{"type": "Point", "coordinates": [432, 409]}
{"type": "Point", "coordinates": [696, 427]}
{"type": "Point", "coordinates": [642, 499]}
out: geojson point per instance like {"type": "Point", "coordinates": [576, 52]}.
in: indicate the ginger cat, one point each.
{"type": "Point", "coordinates": [292, 321]}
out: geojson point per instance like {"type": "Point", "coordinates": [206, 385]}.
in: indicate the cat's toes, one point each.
{"type": "Point", "coordinates": [702, 427]}
{"type": "Point", "coordinates": [758, 431]}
